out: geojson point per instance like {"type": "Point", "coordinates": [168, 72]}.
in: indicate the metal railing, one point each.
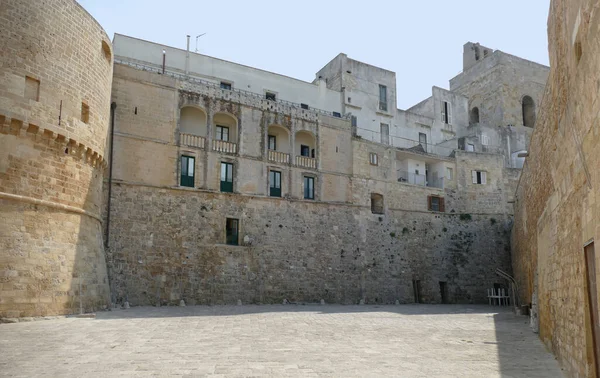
{"type": "Point", "coordinates": [307, 162]}
{"type": "Point", "coordinates": [418, 179]}
{"type": "Point", "coordinates": [279, 157]}
{"type": "Point", "coordinates": [192, 140]}
{"type": "Point", "coordinates": [222, 146]}
{"type": "Point", "coordinates": [179, 76]}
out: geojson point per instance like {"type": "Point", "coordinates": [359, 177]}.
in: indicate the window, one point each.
{"type": "Point", "coordinates": [470, 147]}
{"type": "Point", "coordinates": [474, 116]}
{"type": "Point", "coordinates": [85, 112]}
{"type": "Point", "coordinates": [435, 203]}
{"type": "Point", "coordinates": [423, 140]}
{"type": "Point", "coordinates": [232, 230]}
{"type": "Point", "coordinates": [353, 121]}
{"type": "Point", "coordinates": [32, 88]}
{"type": "Point", "coordinates": [383, 98]}
{"type": "Point", "coordinates": [272, 142]}
{"type": "Point", "coordinates": [106, 50]}
{"type": "Point", "coordinates": [222, 133]}
{"type": "Point", "coordinates": [305, 150]}
{"type": "Point", "coordinates": [373, 158]}
{"type": "Point", "coordinates": [225, 85]}
{"type": "Point", "coordinates": [485, 140]}
{"type": "Point", "coordinates": [449, 173]}
{"type": "Point", "coordinates": [187, 171]}
{"type": "Point", "coordinates": [274, 184]}
{"type": "Point", "coordinates": [446, 112]}
{"type": "Point", "coordinates": [528, 111]}
{"type": "Point", "coordinates": [337, 114]}
{"type": "Point", "coordinates": [271, 96]}
{"type": "Point", "coordinates": [479, 177]}
{"type": "Point", "coordinates": [385, 133]}
{"type": "Point", "coordinates": [312, 153]}
{"type": "Point", "coordinates": [226, 177]}
{"type": "Point", "coordinates": [309, 187]}
{"type": "Point", "coordinates": [376, 203]}
{"type": "Point", "coordinates": [304, 106]}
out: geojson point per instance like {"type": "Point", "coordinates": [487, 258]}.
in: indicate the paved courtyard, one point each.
{"type": "Point", "coordinates": [285, 340]}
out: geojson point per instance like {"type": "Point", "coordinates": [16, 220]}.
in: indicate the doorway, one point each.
{"type": "Point", "coordinates": [417, 290]}
{"type": "Point", "coordinates": [590, 273]}
{"type": "Point", "coordinates": [444, 292]}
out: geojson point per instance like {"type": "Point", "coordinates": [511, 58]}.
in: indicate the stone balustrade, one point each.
{"type": "Point", "coordinates": [223, 146]}
{"type": "Point", "coordinates": [192, 140]}
{"type": "Point", "coordinates": [307, 162]}
{"type": "Point", "coordinates": [279, 157]}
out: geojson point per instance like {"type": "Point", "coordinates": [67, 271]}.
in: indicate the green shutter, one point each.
{"type": "Point", "coordinates": [187, 171]}
{"type": "Point", "coordinates": [227, 177]}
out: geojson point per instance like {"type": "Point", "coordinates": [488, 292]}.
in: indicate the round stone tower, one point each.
{"type": "Point", "coordinates": [55, 87]}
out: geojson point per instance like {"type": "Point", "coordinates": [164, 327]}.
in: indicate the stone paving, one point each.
{"type": "Point", "coordinates": [285, 340]}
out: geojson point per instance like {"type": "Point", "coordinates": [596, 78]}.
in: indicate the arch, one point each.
{"type": "Point", "coordinates": [192, 121]}
{"type": "Point", "coordinates": [225, 127]}
{"type": "Point", "coordinates": [528, 111]}
{"type": "Point", "coordinates": [282, 139]}
{"type": "Point", "coordinates": [377, 206]}
{"type": "Point", "coordinates": [307, 139]}
{"type": "Point", "coordinates": [106, 50]}
{"type": "Point", "coordinates": [474, 116]}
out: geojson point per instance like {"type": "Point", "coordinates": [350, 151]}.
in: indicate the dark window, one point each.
{"type": "Point", "coordinates": [187, 171]}
{"type": "Point", "coordinates": [304, 106]}
{"type": "Point", "coordinates": [383, 97]}
{"type": "Point", "coordinates": [309, 187]}
{"type": "Point", "coordinates": [417, 290]}
{"type": "Point", "coordinates": [528, 111]}
{"type": "Point", "coordinates": [354, 121]}
{"type": "Point", "coordinates": [274, 184]}
{"type": "Point", "coordinates": [304, 150]}
{"type": "Point", "coordinates": [232, 230]}
{"type": "Point", "coordinates": [337, 114]}
{"type": "Point", "coordinates": [222, 133]}
{"type": "Point", "coordinates": [446, 112]}
{"type": "Point", "coordinates": [435, 203]}
{"type": "Point", "coordinates": [474, 116]}
{"type": "Point", "coordinates": [272, 142]}
{"type": "Point", "coordinates": [226, 177]}
{"type": "Point", "coordinates": [271, 96]}
{"type": "Point", "coordinates": [423, 140]}
{"type": "Point", "coordinates": [479, 177]}
{"type": "Point", "coordinates": [444, 290]}
{"type": "Point", "coordinates": [376, 203]}
{"type": "Point", "coordinates": [225, 85]}
{"type": "Point", "coordinates": [312, 153]}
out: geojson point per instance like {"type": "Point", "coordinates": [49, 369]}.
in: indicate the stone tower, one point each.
{"type": "Point", "coordinates": [55, 86]}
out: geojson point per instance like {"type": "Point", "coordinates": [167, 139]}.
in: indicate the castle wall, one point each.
{"type": "Point", "coordinates": [55, 82]}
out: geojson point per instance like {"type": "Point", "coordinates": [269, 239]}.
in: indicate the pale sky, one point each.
{"type": "Point", "coordinates": [420, 40]}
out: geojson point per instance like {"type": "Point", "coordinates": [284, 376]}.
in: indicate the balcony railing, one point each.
{"type": "Point", "coordinates": [307, 162]}
{"type": "Point", "coordinates": [192, 140]}
{"type": "Point", "coordinates": [279, 157]}
{"type": "Point", "coordinates": [226, 147]}
{"type": "Point", "coordinates": [421, 180]}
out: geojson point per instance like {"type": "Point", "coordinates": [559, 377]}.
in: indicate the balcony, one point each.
{"type": "Point", "coordinates": [421, 180]}
{"type": "Point", "coordinates": [306, 162]}
{"type": "Point", "coordinates": [225, 147]}
{"type": "Point", "coordinates": [279, 157]}
{"type": "Point", "coordinates": [192, 140]}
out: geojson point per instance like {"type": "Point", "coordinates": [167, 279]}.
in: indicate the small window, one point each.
{"type": "Point", "coordinates": [446, 112]}
{"type": "Point", "coordinates": [383, 98]}
{"type": "Point", "coordinates": [32, 88]}
{"type": "Point", "coordinates": [304, 150]}
{"type": "Point", "coordinates": [187, 171]}
{"type": "Point", "coordinates": [272, 143]}
{"type": "Point", "coordinates": [435, 203]}
{"type": "Point", "coordinates": [384, 128]}
{"type": "Point", "coordinates": [528, 111]}
{"type": "Point", "coordinates": [106, 50]}
{"type": "Point", "coordinates": [222, 133]}
{"type": "Point", "coordinates": [373, 158]}
{"type": "Point", "coordinates": [271, 96]}
{"type": "Point", "coordinates": [485, 140]}
{"type": "Point", "coordinates": [578, 51]}
{"type": "Point", "coordinates": [232, 230]}
{"type": "Point", "coordinates": [225, 85]}
{"type": "Point", "coordinates": [423, 140]}
{"type": "Point", "coordinates": [470, 147]}
{"type": "Point", "coordinates": [377, 203]}
{"type": "Point", "coordinates": [309, 187]}
{"type": "Point", "coordinates": [449, 174]}
{"type": "Point", "coordinates": [479, 177]}
{"type": "Point", "coordinates": [304, 106]}
{"type": "Point", "coordinates": [353, 121]}
{"type": "Point", "coordinates": [474, 116]}
{"type": "Point", "coordinates": [312, 153]}
{"type": "Point", "coordinates": [85, 112]}
{"type": "Point", "coordinates": [226, 177]}
{"type": "Point", "coordinates": [337, 114]}
{"type": "Point", "coordinates": [274, 184]}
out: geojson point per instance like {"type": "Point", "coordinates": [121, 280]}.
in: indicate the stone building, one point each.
{"type": "Point", "coordinates": [556, 209]}
{"type": "Point", "coordinates": [228, 183]}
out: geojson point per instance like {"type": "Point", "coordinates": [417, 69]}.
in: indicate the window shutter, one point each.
{"type": "Point", "coordinates": [443, 111]}
{"type": "Point", "coordinates": [442, 205]}
{"type": "Point", "coordinates": [483, 178]}
{"type": "Point", "coordinates": [449, 113]}
{"type": "Point", "coordinates": [428, 202]}
{"type": "Point", "coordinates": [474, 176]}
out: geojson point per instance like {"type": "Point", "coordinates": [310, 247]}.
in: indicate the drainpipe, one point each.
{"type": "Point", "coordinates": [164, 60]}
{"type": "Point", "coordinates": [509, 157]}
{"type": "Point", "coordinates": [113, 107]}
{"type": "Point", "coordinates": [187, 57]}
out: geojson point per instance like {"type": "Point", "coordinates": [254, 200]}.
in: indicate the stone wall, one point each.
{"type": "Point", "coordinates": [556, 209]}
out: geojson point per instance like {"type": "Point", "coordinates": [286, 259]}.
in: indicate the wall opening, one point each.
{"type": "Point", "coordinates": [192, 121]}
{"type": "Point", "coordinates": [232, 231]}
{"type": "Point", "coordinates": [106, 50]}
{"type": "Point", "coordinates": [32, 88]}
{"type": "Point", "coordinates": [528, 111]}
{"type": "Point", "coordinates": [417, 290]}
{"type": "Point", "coordinates": [592, 301]}
{"type": "Point", "coordinates": [85, 112]}
{"type": "Point", "coordinates": [377, 203]}
{"type": "Point", "coordinates": [474, 116]}
{"type": "Point", "coordinates": [444, 292]}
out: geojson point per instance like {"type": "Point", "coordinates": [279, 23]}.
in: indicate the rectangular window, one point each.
{"type": "Point", "coordinates": [304, 106]}
{"type": "Point", "coordinates": [232, 231]}
{"type": "Point", "coordinates": [187, 171]}
{"type": "Point", "coordinates": [271, 96]}
{"type": "Point", "coordinates": [225, 85]}
{"type": "Point", "coordinates": [337, 114]}
{"type": "Point", "coordinates": [373, 158]}
{"type": "Point", "coordinates": [354, 121]}
{"type": "Point", "coordinates": [304, 150]}
{"type": "Point", "coordinates": [423, 140]}
{"type": "Point", "coordinates": [470, 147]}
{"type": "Point", "coordinates": [226, 177]}
{"type": "Point", "coordinates": [383, 98]}
{"type": "Point", "coordinates": [309, 187]}
{"type": "Point", "coordinates": [32, 88]}
{"type": "Point", "coordinates": [377, 203]}
{"type": "Point", "coordinates": [274, 184]}
{"type": "Point", "coordinates": [385, 133]}
{"type": "Point", "coordinates": [222, 133]}
{"type": "Point", "coordinates": [449, 173]}
{"type": "Point", "coordinates": [479, 177]}
{"type": "Point", "coordinates": [272, 142]}
{"type": "Point", "coordinates": [446, 112]}
{"type": "Point", "coordinates": [485, 140]}
{"type": "Point", "coordinates": [435, 203]}
{"type": "Point", "coordinates": [85, 112]}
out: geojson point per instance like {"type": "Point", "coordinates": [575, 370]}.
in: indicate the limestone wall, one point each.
{"type": "Point", "coordinates": [55, 82]}
{"type": "Point", "coordinates": [556, 211]}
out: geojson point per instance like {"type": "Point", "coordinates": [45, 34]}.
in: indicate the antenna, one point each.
{"type": "Point", "coordinates": [198, 36]}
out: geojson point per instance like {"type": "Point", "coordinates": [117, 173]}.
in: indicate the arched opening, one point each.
{"type": "Point", "coordinates": [106, 50]}
{"type": "Point", "coordinates": [474, 116]}
{"type": "Point", "coordinates": [225, 127]}
{"type": "Point", "coordinates": [528, 111]}
{"type": "Point", "coordinates": [278, 139]}
{"type": "Point", "coordinates": [192, 121]}
{"type": "Point", "coordinates": [377, 203]}
{"type": "Point", "coordinates": [305, 144]}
